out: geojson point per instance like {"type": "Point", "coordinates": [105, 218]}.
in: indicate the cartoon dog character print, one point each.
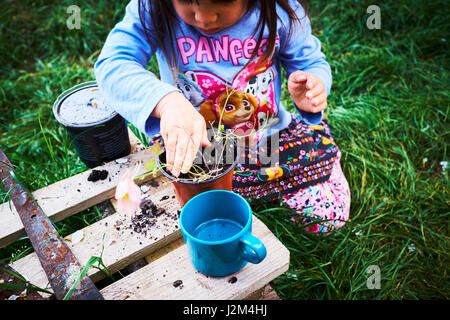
{"type": "Point", "coordinates": [231, 107]}
{"type": "Point", "coordinates": [264, 118]}
{"type": "Point", "coordinates": [258, 84]}
{"type": "Point", "coordinates": [187, 84]}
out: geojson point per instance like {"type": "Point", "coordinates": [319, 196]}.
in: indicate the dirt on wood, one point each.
{"type": "Point", "coordinates": [98, 175]}
{"type": "Point", "coordinates": [144, 220]}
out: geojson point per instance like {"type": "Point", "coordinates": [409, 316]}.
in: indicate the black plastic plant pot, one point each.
{"type": "Point", "coordinates": [98, 133]}
{"type": "Point", "coordinates": [186, 189]}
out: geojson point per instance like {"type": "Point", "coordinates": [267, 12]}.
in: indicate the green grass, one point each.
{"type": "Point", "coordinates": [388, 111]}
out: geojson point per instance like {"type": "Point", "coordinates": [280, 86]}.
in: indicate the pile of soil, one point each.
{"type": "Point", "coordinates": [147, 218]}
{"type": "Point", "coordinates": [98, 175]}
{"type": "Point", "coordinates": [150, 209]}
{"type": "Point", "coordinates": [141, 222]}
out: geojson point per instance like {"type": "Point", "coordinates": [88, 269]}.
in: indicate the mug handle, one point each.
{"type": "Point", "coordinates": [253, 249]}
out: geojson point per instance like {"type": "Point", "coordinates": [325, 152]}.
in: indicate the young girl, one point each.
{"type": "Point", "coordinates": [207, 50]}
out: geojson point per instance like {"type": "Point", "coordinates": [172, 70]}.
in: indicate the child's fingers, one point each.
{"type": "Point", "coordinates": [312, 82]}
{"type": "Point", "coordinates": [314, 91]}
{"type": "Point", "coordinates": [194, 145]}
{"type": "Point", "coordinates": [298, 77]}
{"type": "Point", "coordinates": [199, 137]}
{"type": "Point", "coordinates": [320, 107]}
{"type": "Point", "coordinates": [319, 99]}
{"type": "Point", "coordinates": [180, 153]}
{"type": "Point", "coordinates": [170, 143]}
{"type": "Point", "coordinates": [190, 155]}
{"type": "Point", "coordinates": [296, 87]}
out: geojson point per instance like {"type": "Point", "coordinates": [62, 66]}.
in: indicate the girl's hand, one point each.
{"type": "Point", "coordinates": [183, 129]}
{"type": "Point", "coordinates": [307, 91]}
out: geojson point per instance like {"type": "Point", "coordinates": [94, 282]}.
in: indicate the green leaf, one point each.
{"type": "Point", "coordinates": [155, 149]}
{"type": "Point", "coordinates": [150, 165]}
{"type": "Point", "coordinates": [15, 286]}
{"type": "Point", "coordinates": [79, 276]}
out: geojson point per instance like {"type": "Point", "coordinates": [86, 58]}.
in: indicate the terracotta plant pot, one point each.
{"type": "Point", "coordinates": [187, 189]}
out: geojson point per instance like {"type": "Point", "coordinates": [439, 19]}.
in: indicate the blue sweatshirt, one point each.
{"type": "Point", "coordinates": [210, 71]}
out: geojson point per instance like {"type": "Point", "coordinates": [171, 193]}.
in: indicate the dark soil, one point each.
{"type": "Point", "coordinates": [141, 222]}
{"type": "Point", "coordinates": [149, 208]}
{"type": "Point", "coordinates": [232, 280]}
{"type": "Point", "coordinates": [98, 175]}
{"type": "Point", "coordinates": [146, 219]}
{"type": "Point", "coordinates": [154, 183]}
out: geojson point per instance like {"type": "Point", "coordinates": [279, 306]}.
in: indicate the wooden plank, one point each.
{"type": "Point", "coordinates": [122, 245]}
{"type": "Point", "coordinates": [165, 250]}
{"type": "Point", "coordinates": [155, 280]}
{"type": "Point", "coordinates": [74, 194]}
{"type": "Point", "coordinates": [269, 294]}
{"type": "Point", "coordinates": [265, 293]}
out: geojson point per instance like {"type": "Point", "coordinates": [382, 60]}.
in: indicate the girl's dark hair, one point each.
{"type": "Point", "coordinates": [163, 18]}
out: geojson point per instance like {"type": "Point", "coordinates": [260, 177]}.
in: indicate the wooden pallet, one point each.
{"type": "Point", "coordinates": [161, 246]}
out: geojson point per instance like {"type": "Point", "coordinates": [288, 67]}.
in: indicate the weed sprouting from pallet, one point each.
{"type": "Point", "coordinates": [93, 262]}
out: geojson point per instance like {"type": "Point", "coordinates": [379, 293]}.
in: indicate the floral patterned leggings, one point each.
{"type": "Point", "coordinates": [323, 207]}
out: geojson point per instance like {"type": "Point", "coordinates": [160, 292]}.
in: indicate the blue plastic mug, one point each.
{"type": "Point", "coordinates": [216, 227]}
